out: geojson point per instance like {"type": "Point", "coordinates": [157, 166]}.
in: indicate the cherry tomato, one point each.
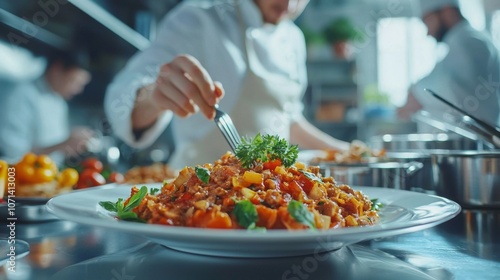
{"type": "Point", "coordinates": [116, 177]}
{"type": "Point", "coordinates": [93, 163]}
{"type": "Point", "coordinates": [90, 178]}
{"type": "Point", "coordinates": [68, 177]}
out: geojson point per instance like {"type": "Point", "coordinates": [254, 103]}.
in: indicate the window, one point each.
{"type": "Point", "coordinates": [405, 54]}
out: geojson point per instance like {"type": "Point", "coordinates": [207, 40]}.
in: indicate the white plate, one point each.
{"type": "Point", "coordinates": [403, 212]}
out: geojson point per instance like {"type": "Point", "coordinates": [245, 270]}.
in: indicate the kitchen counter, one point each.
{"type": "Point", "coordinates": [466, 247]}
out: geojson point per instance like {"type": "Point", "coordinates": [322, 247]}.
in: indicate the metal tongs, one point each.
{"type": "Point", "coordinates": [489, 133]}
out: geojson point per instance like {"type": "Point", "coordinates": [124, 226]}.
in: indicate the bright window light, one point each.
{"type": "Point", "coordinates": [405, 55]}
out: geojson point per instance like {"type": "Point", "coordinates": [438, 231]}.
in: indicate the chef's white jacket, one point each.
{"type": "Point", "coordinates": [32, 116]}
{"type": "Point", "coordinates": [468, 76]}
{"type": "Point", "coordinates": [211, 33]}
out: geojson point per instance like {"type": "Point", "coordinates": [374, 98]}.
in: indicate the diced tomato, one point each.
{"type": "Point", "coordinates": [271, 165]}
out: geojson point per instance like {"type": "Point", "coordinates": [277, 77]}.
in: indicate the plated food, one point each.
{"type": "Point", "coordinates": [38, 176]}
{"type": "Point", "coordinates": [358, 152]}
{"type": "Point", "coordinates": [156, 172]}
{"type": "Point", "coordinates": [261, 186]}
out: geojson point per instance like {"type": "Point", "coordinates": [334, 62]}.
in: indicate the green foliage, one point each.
{"type": "Point", "coordinates": [342, 29]}
{"type": "Point", "coordinates": [246, 214]}
{"type": "Point", "coordinates": [301, 214]}
{"type": "Point", "coordinates": [372, 95]}
{"type": "Point", "coordinates": [312, 37]}
{"type": "Point", "coordinates": [125, 212]}
{"type": "Point", "coordinates": [266, 148]}
{"type": "Point", "coordinates": [203, 174]}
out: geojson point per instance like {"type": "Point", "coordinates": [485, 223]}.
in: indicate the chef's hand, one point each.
{"type": "Point", "coordinates": [183, 86]}
{"type": "Point", "coordinates": [78, 141]}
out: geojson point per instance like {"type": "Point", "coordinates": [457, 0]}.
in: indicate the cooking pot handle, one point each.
{"type": "Point", "coordinates": [413, 166]}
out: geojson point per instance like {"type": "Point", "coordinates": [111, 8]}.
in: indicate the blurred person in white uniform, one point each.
{"type": "Point", "coordinates": [251, 47]}
{"type": "Point", "coordinates": [468, 76]}
{"type": "Point", "coordinates": [34, 114]}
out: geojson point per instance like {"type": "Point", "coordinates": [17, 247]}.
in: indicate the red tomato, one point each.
{"type": "Point", "coordinates": [272, 164]}
{"type": "Point", "coordinates": [116, 177]}
{"type": "Point", "coordinates": [93, 163]}
{"type": "Point", "coordinates": [90, 178]}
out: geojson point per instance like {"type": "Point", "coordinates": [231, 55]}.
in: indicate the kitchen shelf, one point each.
{"type": "Point", "coordinates": [15, 31]}
{"type": "Point", "coordinates": [82, 23]}
{"type": "Point", "coordinates": [110, 22]}
{"type": "Point", "coordinates": [331, 97]}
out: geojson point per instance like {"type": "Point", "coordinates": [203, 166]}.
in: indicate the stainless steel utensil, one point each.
{"type": "Point", "coordinates": [227, 128]}
{"type": "Point", "coordinates": [480, 127]}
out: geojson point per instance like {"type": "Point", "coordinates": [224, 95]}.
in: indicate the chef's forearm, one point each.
{"type": "Point", "coordinates": [307, 136]}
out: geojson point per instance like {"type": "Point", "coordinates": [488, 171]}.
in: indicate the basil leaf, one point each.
{"type": "Point", "coordinates": [301, 214]}
{"type": "Point", "coordinates": [376, 205]}
{"type": "Point", "coordinates": [246, 214]}
{"type": "Point", "coordinates": [129, 216]}
{"type": "Point", "coordinates": [203, 174]}
{"type": "Point", "coordinates": [311, 176]}
{"type": "Point", "coordinates": [108, 205]}
{"type": "Point", "coordinates": [153, 191]}
{"type": "Point", "coordinates": [136, 199]}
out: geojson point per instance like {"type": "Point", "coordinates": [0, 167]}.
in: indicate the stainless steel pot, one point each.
{"type": "Point", "coordinates": [394, 175]}
{"type": "Point", "coordinates": [423, 141]}
{"type": "Point", "coordinates": [471, 178]}
{"type": "Point", "coordinates": [420, 181]}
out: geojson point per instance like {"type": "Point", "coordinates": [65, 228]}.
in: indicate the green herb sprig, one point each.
{"type": "Point", "coordinates": [124, 212]}
{"type": "Point", "coordinates": [266, 148]}
{"type": "Point", "coordinates": [376, 206]}
{"type": "Point", "coordinates": [246, 215]}
{"type": "Point", "coordinates": [301, 214]}
{"type": "Point", "coordinates": [203, 174]}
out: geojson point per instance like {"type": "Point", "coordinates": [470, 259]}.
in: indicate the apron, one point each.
{"type": "Point", "coordinates": [264, 107]}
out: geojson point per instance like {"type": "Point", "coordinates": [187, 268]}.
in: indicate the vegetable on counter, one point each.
{"type": "Point", "coordinates": [94, 173]}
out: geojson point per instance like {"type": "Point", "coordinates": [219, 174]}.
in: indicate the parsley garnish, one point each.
{"type": "Point", "coordinates": [125, 212]}
{"type": "Point", "coordinates": [266, 148]}
{"type": "Point", "coordinates": [301, 214]}
{"type": "Point", "coordinates": [246, 214]}
{"type": "Point", "coordinates": [203, 174]}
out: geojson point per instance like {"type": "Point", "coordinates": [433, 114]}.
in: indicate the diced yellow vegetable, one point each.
{"type": "Point", "coordinates": [316, 192]}
{"type": "Point", "coordinates": [280, 170]}
{"type": "Point", "coordinates": [252, 177]}
{"type": "Point", "coordinates": [300, 165]}
{"type": "Point", "coordinates": [201, 204]}
{"type": "Point", "coordinates": [247, 193]}
{"type": "Point", "coordinates": [350, 221]}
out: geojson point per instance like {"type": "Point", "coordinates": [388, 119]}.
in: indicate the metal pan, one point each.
{"type": "Point", "coordinates": [395, 175]}
{"type": "Point", "coordinates": [471, 178]}
{"type": "Point", "coordinates": [422, 141]}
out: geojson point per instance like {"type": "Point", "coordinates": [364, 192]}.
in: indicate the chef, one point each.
{"type": "Point", "coordinates": [469, 74]}
{"type": "Point", "coordinates": [34, 114]}
{"type": "Point", "coordinates": [252, 47]}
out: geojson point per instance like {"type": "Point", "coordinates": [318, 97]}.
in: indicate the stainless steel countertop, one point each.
{"type": "Point", "coordinates": [466, 247]}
